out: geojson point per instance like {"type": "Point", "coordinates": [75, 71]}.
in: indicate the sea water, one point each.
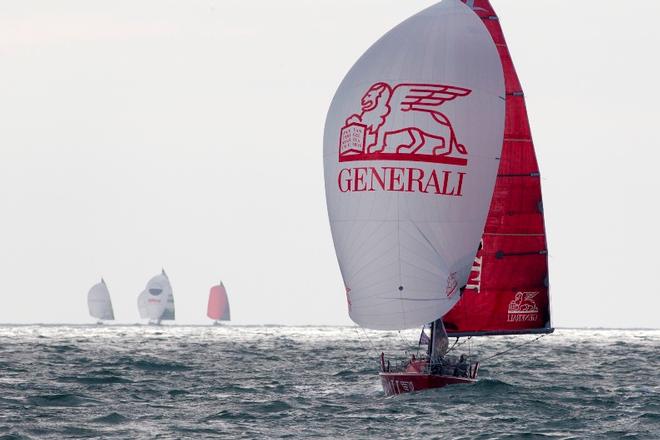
{"type": "Point", "coordinates": [142, 382]}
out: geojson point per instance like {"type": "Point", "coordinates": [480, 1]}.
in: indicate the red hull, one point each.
{"type": "Point", "coordinates": [404, 382]}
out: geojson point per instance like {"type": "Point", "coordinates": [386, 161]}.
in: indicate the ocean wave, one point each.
{"type": "Point", "coordinates": [229, 415]}
{"type": "Point", "coordinates": [273, 406]}
{"type": "Point", "coordinates": [7, 402]}
{"type": "Point", "coordinates": [489, 384]}
{"type": "Point", "coordinates": [153, 365]}
{"type": "Point", "coordinates": [14, 436]}
{"type": "Point", "coordinates": [55, 400]}
{"type": "Point", "coordinates": [113, 418]}
{"type": "Point", "coordinates": [175, 393]}
{"type": "Point", "coordinates": [95, 380]}
{"type": "Point", "coordinates": [78, 432]}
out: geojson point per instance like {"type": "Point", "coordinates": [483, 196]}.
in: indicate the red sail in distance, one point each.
{"type": "Point", "coordinates": [218, 308]}
{"type": "Point", "coordinates": [508, 291]}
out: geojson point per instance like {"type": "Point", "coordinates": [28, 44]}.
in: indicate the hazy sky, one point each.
{"type": "Point", "coordinates": [136, 135]}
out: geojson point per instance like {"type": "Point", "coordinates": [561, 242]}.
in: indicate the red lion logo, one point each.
{"type": "Point", "coordinates": [388, 126]}
{"type": "Point", "coordinates": [524, 303]}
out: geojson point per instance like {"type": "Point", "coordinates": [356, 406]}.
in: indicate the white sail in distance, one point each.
{"type": "Point", "coordinates": [99, 303]}
{"type": "Point", "coordinates": [411, 148]}
{"type": "Point", "coordinates": [156, 302]}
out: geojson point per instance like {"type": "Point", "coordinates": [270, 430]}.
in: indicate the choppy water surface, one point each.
{"type": "Point", "coordinates": [299, 382]}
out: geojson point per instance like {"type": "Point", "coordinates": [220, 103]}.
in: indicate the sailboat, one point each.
{"type": "Point", "coordinates": [156, 301]}
{"type": "Point", "coordinates": [99, 303]}
{"type": "Point", "coordinates": [218, 307]}
{"type": "Point", "coordinates": [433, 191]}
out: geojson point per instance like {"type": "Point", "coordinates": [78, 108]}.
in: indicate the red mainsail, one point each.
{"type": "Point", "coordinates": [508, 291]}
{"type": "Point", "coordinates": [218, 307]}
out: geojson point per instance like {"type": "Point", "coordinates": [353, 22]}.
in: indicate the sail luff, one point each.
{"type": "Point", "coordinates": [508, 289]}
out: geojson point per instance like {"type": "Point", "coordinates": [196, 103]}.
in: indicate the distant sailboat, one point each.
{"type": "Point", "coordinates": [99, 303]}
{"type": "Point", "coordinates": [156, 302]}
{"type": "Point", "coordinates": [433, 191]}
{"type": "Point", "coordinates": [218, 307]}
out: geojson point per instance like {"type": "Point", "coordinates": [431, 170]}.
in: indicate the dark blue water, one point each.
{"type": "Point", "coordinates": [305, 382]}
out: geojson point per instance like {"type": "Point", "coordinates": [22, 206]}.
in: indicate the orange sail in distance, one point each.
{"type": "Point", "coordinates": [218, 307]}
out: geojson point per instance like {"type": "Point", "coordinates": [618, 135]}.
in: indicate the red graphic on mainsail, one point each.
{"type": "Point", "coordinates": [403, 123]}
{"type": "Point", "coordinates": [524, 303]}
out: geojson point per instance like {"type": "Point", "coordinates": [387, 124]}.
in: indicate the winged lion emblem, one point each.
{"type": "Point", "coordinates": [403, 121]}
{"type": "Point", "coordinates": [523, 302]}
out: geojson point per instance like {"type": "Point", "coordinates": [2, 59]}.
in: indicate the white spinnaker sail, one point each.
{"type": "Point", "coordinates": [99, 303]}
{"type": "Point", "coordinates": [411, 148]}
{"type": "Point", "coordinates": [154, 300]}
